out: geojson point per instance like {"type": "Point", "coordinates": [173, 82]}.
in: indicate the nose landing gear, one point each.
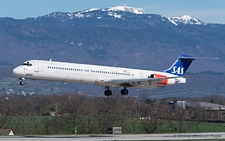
{"type": "Point", "coordinates": [22, 83]}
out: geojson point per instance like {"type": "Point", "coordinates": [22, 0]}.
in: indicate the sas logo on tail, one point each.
{"type": "Point", "coordinates": [178, 70]}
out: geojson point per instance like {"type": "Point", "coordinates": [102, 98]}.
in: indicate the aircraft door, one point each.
{"type": "Point", "coordinates": [36, 67]}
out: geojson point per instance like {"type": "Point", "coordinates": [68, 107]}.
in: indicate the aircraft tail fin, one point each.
{"type": "Point", "coordinates": [182, 63]}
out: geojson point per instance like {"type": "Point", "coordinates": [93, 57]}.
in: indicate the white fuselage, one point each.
{"type": "Point", "coordinates": [90, 74]}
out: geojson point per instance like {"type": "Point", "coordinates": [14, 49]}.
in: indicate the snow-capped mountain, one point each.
{"type": "Point", "coordinates": [116, 12]}
{"type": "Point", "coordinates": [122, 12]}
{"type": "Point", "coordinates": [185, 19]}
{"type": "Point", "coordinates": [125, 9]}
{"type": "Point", "coordinates": [109, 33]}
{"type": "Point", "coordinates": [117, 36]}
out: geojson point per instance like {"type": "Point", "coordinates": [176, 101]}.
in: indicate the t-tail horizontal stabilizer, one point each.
{"type": "Point", "coordinates": [182, 63]}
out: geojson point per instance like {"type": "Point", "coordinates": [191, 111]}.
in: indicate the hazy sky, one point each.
{"type": "Point", "coordinates": [210, 11]}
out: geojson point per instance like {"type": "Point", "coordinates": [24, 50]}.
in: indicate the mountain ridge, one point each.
{"type": "Point", "coordinates": [118, 13]}
{"type": "Point", "coordinates": [113, 38]}
{"type": "Point", "coordinates": [134, 40]}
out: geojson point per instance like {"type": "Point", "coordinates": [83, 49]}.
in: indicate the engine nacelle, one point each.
{"type": "Point", "coordinates": [163, 82]}
{"type": "Point", "coordinates": [170, 81]}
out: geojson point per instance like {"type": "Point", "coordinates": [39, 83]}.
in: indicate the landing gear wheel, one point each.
{"type": "Point", "coordinates": [21, 83]}
{"type": "Point", "coordinates": [124, 91]}
{"type": "Point", "coordinates": [108, 92]}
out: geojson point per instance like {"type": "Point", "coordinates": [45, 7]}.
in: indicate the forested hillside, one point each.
{"type": "Point", "coordinates": [110, 37]}
{"type": "Point", "coordinates": [124, 38]}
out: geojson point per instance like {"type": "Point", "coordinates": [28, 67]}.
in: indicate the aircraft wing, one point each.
{"type": "Point", "coordinates": [133, 82]}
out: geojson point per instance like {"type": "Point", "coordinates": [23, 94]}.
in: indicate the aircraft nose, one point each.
{"type": "Point", "coordinates": [17, 71]}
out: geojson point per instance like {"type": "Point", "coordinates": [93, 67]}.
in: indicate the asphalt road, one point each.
{"type": "Point", "coordinates": [182, 136]}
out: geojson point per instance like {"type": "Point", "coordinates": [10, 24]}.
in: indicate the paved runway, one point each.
{"type": "Point", "coordinates": [182, 136]}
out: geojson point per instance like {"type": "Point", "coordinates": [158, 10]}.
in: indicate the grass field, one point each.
{"type": "Point", "coordinates": [188, 127]}
{"type": "Point", "coordinates": [62, 125]}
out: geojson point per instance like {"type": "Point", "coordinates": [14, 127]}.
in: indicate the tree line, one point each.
{"type": "Point", "coordinates": [29, 115]}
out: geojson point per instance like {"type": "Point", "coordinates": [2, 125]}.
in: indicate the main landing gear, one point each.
{"type": "Point", "coordinates": [22, 83]}
{"type": "Point", "coordinates": [124, 91]}
{"type": "Point", "coordinates": [108, 92]}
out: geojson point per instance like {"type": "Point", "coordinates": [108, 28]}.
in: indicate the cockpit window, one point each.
{"type": "Point", "coordinates": [26, 64]}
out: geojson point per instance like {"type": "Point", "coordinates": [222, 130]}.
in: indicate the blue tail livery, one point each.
{"type": "Point", "coordinates": [181, 65]}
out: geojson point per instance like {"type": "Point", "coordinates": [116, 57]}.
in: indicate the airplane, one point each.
{"type": "Point", "coordinates": [104, 76]}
